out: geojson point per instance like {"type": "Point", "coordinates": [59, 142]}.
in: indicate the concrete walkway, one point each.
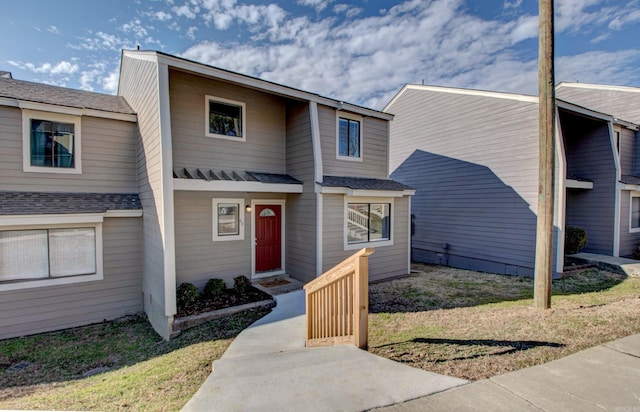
{"type": "Point", "coordinates": [267, 368]}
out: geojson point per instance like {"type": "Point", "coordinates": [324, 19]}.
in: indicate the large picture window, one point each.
{"type": "Point", "coordinates": [225, 118]}
{"type": "Point", "coordinates": [47, 253]}
{"type": "Point", "coordinates": [228, 221]}
{"type": "Point", "coordinates": [368, 222]}
{"type": "Point", "coordinates": [51, 142]}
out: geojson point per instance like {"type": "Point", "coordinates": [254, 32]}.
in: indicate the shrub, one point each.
{"type": "Point", "coordinates": [186, 295]}
{"type": "Point", "coordinates": [241, 284]}
{"type": "Point", "coordinates": [214, 288]}
{"type": "Point", "coordinates": [636, 253]}
{"type": "Point", "coordinates": [574, 240]}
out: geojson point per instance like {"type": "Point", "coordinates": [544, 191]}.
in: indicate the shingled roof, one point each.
{"type": "Point", "coordinates": [37, 203]}
{"type": "Point", "coordinates": [62, 96]}
{"type": "Point", "coordinates": [361, 183]}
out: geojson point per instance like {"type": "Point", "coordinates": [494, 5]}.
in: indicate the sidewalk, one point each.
{"type": "Point", "coordinates": [268, 368]}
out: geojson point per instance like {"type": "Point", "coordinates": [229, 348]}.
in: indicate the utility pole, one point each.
{"type": "Point", "coordinates": [546, 103]}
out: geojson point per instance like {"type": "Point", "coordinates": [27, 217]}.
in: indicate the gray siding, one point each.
{"type": "Point", "coordinates": [387, 261]}
{"type": "Point", "coordinates": [374, 147]}
{"type": "Point", "coordinates": [264, 148]}
{"type": "Point", "coordinates": [626, 150]}
{"type": "Point", "coordinates": [198, 257]}
{"type": "Point", "coordinates": [29, 311]}
{"type": "Point", "coordinates": [474, 162]}
{"type": "Point", "coordinates": [139, 85]}
{"type": "Point", "coordinates": [589, 155]}
{"type": "Point", "coordinates": [108, 158]}
{"type": "Point", "coordinates": [301, 208]}
{"type": "Point", "coordinates": [623, 104]}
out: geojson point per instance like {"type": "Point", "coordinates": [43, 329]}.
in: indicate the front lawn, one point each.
{"type": "Point", "coordinates": [477, 325]}
{"type": "Point", "coordinates": [60, 370]}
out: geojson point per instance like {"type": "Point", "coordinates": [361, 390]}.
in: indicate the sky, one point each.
{"type": "Point", "coordinates": [360, 51]}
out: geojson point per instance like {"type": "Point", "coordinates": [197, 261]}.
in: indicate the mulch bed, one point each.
{"type": "Point", "coordinates": [228, 299]}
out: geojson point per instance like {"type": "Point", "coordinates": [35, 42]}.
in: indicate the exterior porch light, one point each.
{"type": "Point", "coordinates": [248, 209]}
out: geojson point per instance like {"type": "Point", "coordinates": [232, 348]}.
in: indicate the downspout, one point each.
{"type": "Point", "coordinates": [317, 177]}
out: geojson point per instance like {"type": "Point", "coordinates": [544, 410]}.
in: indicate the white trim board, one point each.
{"type": "Point", "coordinates": [233, 186]}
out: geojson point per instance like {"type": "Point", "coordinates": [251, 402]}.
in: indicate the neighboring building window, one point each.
{"type": "Point", "coordinates": [368, 222]}
{"type": "Point", "coordinates": [634, 219]}
{"type": "Point", "coordinates": [228, 221]}
{"type": "Point", "coordinates": [50, 256]}
{"type": "Point", "coordinates": [51, 142]}
{"type": "Point", "coordinates": [349, 137]}
{"type": "Point", "coordinates": [225, 118]}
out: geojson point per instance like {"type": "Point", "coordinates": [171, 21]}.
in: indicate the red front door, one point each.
{"type": "Point", "coordinates": [268, 237]}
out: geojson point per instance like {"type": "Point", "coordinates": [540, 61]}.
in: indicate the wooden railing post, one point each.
{"type": "Point", "coordinates": [361, 302]}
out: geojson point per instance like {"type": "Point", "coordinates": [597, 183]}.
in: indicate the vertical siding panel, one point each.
{"type": "Point", "coordinates": [139, 84]}
{"type": "Point", "coordinates": [473, 160]}
{"type": "Point", "coordinates": [301, 208]}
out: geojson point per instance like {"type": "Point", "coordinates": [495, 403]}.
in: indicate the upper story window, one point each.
{"type": "Point", "coordinates": [51, 142]}
{"type": "Point", "coordinates": [349, 142]}
{"type": "Point", "coordinates": [226, 119]}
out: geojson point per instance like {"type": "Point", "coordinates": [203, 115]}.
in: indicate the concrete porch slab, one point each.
{"type": "Point", "coordinates": [624, 266]}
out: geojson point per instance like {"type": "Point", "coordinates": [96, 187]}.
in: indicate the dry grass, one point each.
{"type": "Point", "coordinates": [144, 372]}
{"type": "Point", "coordinates": [477, 325]}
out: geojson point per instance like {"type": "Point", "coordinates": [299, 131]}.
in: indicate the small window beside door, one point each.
{"type": "Point", "coordinates": [228, 219]}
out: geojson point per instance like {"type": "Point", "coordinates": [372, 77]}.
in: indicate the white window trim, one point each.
{"type": "Point", "coordinates": [241, 213]}
{"type": "Point", "coordinates": [358, 199]}
{"type": "Point", "coordinates": [350, 116]}
{"type": "Point", "coordinates": [631, 196]}
{"type": "Point", "coordinates": [29, 284]}
{"type": "Point", "coordinates": [27, 115]}
{"type": "Point", "coordinates": [207, 99]}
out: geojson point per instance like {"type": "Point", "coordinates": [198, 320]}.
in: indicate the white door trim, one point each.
{"type": "Point", "coordinates": [267, 202]}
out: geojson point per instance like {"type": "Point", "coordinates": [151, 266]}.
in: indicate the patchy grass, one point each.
{"type": "Point", "coordinates": [477, 325]}
{"type": "Point", "coordinates": [143, 372]}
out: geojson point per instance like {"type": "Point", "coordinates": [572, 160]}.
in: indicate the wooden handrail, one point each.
{"type": "Point", "coordinates": [337, 303]}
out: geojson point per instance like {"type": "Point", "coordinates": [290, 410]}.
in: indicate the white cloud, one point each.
{"type": "Point", "coordinates": [186, 11]}
{"type": "Point", "coordinates": [110, 82]}
{"type": "Point", "coordinates": [162, 16]}
{"type": "Point", "coordinates": [367, 60]}
{"type": "Point", "coordinates": [319, 5]}
{"type": "Point", "coordinates": [599, 67]}
{"type": "Point", "coordinates": [191, 32]}
{"type": "Point", "coordinates": [62, 67]}
{"type": "Point", "coordinates": [348, 10]}
{"type": "Point", "coordinates": [53, 29]}
{"type": "Point", "coordinates": [512, 4]}
{"type": "Point", "coordinates": [629, 17]}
